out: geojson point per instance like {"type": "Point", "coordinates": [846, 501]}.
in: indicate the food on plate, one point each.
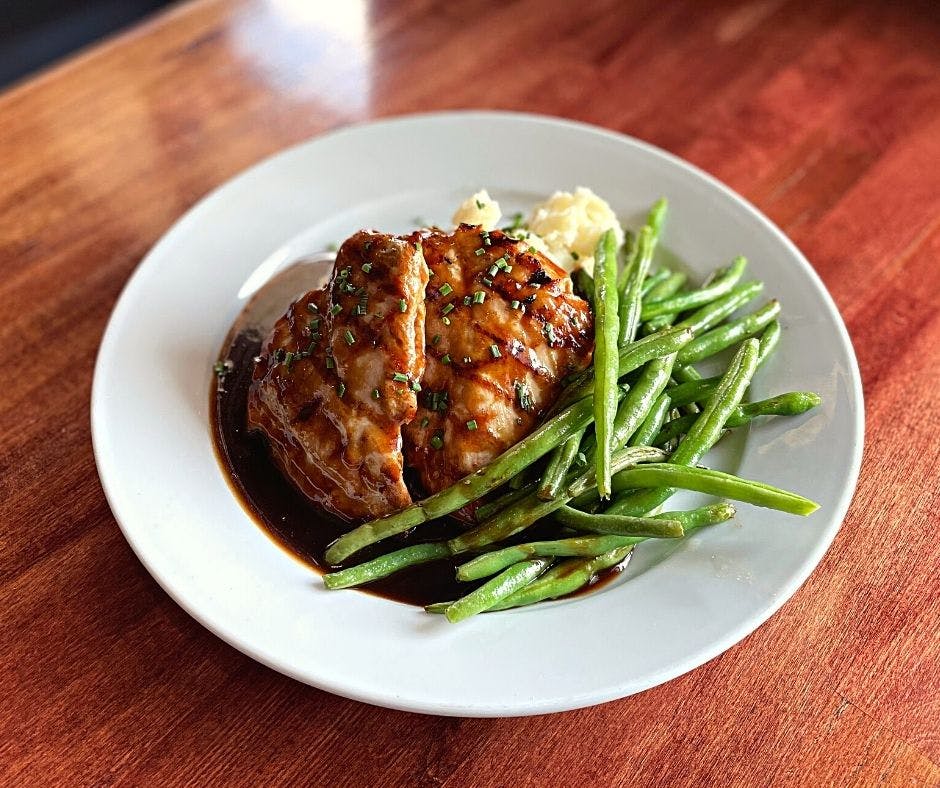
{"type": "Point", "coordinates": [508, 432]}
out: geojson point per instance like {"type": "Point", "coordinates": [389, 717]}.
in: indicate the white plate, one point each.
{"type": "Point", "coordinates": [677, 607]}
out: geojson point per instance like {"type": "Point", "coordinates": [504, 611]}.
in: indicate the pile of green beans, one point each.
{"type": "Point", "coordinates": [623, 436]}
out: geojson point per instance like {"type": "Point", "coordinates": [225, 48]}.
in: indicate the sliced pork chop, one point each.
{"type": "Point", "coordinates": [503, 329]}
{"type": "Point", "coordinates": [338, 377]}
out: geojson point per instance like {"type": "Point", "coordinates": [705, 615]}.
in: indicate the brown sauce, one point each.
{"type": "Point", "coordinates": [301, 527]}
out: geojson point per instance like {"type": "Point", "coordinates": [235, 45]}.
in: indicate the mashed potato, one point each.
{"type": "Point", "coordinates": [479, 209]}
{"type": "Point", "coordinates": [570, 225]}
{"type": "Point", "coordinates": [565, 227]}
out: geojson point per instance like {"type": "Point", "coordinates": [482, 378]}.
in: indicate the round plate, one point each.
{"type": "Point", "coordinates": [676, 606]}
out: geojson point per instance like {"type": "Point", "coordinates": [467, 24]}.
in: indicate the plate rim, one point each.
{"type": "Point", "coordinates": [389, 699]}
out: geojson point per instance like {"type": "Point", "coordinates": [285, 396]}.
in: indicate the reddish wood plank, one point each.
{"type": "Point", "coordinates": [826, 114]}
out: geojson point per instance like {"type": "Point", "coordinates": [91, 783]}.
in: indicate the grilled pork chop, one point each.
{"type": "Point", "coordinates": [502, 329]}
{"type": "Point", "coordinates": [336, 386]}
{"type": "Point", "coordinates": [337, 378]}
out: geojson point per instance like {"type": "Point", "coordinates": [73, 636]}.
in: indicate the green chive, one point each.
{"type": "Point", "coordinates": [425, 421]}
{"type": "Point", "coordinates": [402, 305]}
{"type": "Point", "coordinates": [366, 268]}
{"type": "Point", "coordinates": [472, 424]}
{"type": "Point", "coordinates": [340, 390]}
{"type": "Point", "coordinates": [513, 304]}
{"type": "Point", "coordinates": [575, 256]}
{"type": "Point", "coordinates": [312, 308]}
{"type": "Point", "coordinates": [348, 336]}
{"type": "Point", "coordinates": [448, 308]}
{"type": "Point", "coordinates": [335, 310]}
{"type": "Point", "coordinates": [479, 204]}
{"type": "Point", "coordinates": [480, 251]}
{"type": "Point", "coordinates": [445, 321]}
{"type": "Point", "coordinates": [436, 340]}
{"type": "Point", "coordinates": [437, 441]}
{"type": "Point", "coordinates": [488, 282]}
{"type": "Point", "coordinates": [376, 394]}
{"type": "Point", "coordinates": [445, 359]}
{"type": "Point", "coordinates": [494, 351]}
{"type": "Point", "coordinates": [479, 297]}
{"type": "Point", "coordinates": [416, 387]}
{"type": "Point", "coordinates": [400, 377]}
{"type": "Point", "coordinates": [493, 270]}
{"type": "Point", "coordinates": [330, 363]}
{"type": "Point", "coordinates": [445, 289]}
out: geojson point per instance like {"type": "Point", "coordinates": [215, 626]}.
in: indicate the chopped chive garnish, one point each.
{"type": "Point", "coordinates": [366, 268]}
{"type": "Point", "coordinates": [494, 351]}
{"type": "Point", "coordinates": [311, 347]}
{"type": "Point", "coordinates": [314, 325]}
{"type": "Point", "coordinates": [575, 255]}
{"type": "Point", "coordinates": [531, 250]}
{"type": "Point", "coordinates": [436, 340]}
{"type": "Point", "coordinates": [400, 377]}
{"type": "Point", "coordinates": [348, 336]}
{"type": "Point", "coordinates": [376, 394]}
{"type": "Point", "coordinates": [472, 424]}
{"type": "Point", "coordinates": [523, 395]}
{"type": "Point", "coordinates": [312, 308]}
{"type": "Point", "coordinates": [488, 282]}
{"type": "Point", "coordinates": [335, 310]}
{"type": "Point", "coordinates": [513, 304]}
{"type": "Point", "coordinates": [448, 308]}
{"type": "Point", "coordinates": [550, 333]}
{"type": "Point", "coordinates": [445, 359]}
{"type": "Point", "coordinates": [445, 321]}
{"type": "Point", "coordinates": [425, 421]}
{"type": "Point", "coordinates": [508, 269]}
{"type": "Point", "coordinates": [502, 262]}
{"type": "Point", "coordinates": [416, 387]}
{"type": "Point", "coordinates": [479, 252]}
{"type": "Point", "coordinates": [402, 305]}
{"type": "Point", "coordinates": [479, 204]}
{"type": "Point", "coordinates": [493, 270]}
{"type": "Point", "coordinates": [487, 241]}
{"type": "Point", "coordinates": [479, 297]}
{"type": "Point", "coordinates": [330, 363]}
{"type": "Point", "coordinates": [437, 442]}
{"type": "Point", "coordinates": [340, 390]}
{"type": "Point", "coordinates": [467, 300]}
{"type": "Point", "coordinates": [445, 289]}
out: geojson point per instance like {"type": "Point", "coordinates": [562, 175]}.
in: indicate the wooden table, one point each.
{"type": "Point", "coordinates": [825, 114]}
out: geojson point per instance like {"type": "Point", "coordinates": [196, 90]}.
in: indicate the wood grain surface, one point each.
{"type": "Point", "coordinates": [825, 114]}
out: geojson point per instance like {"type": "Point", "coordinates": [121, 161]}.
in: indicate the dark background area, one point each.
{"type": "Point", "coordinates": [34, 33]}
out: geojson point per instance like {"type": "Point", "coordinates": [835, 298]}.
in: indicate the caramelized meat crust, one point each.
{"type": "Point", "coordinates": [334, 381]}
{"type": "Point", "coordinates": [386, 367]}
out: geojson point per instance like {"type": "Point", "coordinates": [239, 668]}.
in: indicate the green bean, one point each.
{"type": "Point", "coordinates": [637, 403]}
{"type": "Point", "coordinates": [700, 389]}
{"type": "Point", "coordinates": [712, 482]}
{"type": "Point", "coordinates": [686, 373]}
{"type": "Point", "coordinates": [583, 546]}
{"type": "Point", "coordinates": [630, 300]}
{"type": "Point", "coordinates": [792, 403]}
{"type": "Point", "coordinates": [583, 285]}
{"type": "Point", "coordinates": [488, 509]}
{"type": "Point", "coordinates": [628, 254]}
{"type": "Point", "coordinates": [716, 340]}
{"type": "Point", "coordinates": [769, 341]}
{"type": "Point", "coordinates": [654, 279]}
{"type": "Point", "coordinates": [623, 525]}
{"type": "Point", "coordinates": [619, 525]}
{"type": "Point", "coordinates": [633, 356]}
{"type": "Point", "coordinates": [712, 314]}
{"type": "Point", "coordinates": [473, 486]}
{"type": "Point", "coordinates": [722, 284]}
{"type": "Point", "coordinates": [653, 422]}
{"type": "Point", "coordinates": [495, 590]}
{"type": "Point", "coordinates": [606, 357]}
{"type": "Point", "coordinates": [563, 579]}
{"type": "Point", "coordinates": [385, 565]}
{"type": "Point", "coordinates": [558, 466]}
{"type": "Point", "coordinates": [665, 289]}
{"type": "Point", "coordinates": [521, 515]}
{"type": "Point", "coordinates": [705, 430]}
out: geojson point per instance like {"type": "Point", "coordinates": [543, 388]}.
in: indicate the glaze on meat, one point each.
{"type": "Point", "coordinates": [438, 351]}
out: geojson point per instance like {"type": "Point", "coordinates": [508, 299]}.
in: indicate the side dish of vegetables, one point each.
{"type": "Point", "coordinates": [624, 436]}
